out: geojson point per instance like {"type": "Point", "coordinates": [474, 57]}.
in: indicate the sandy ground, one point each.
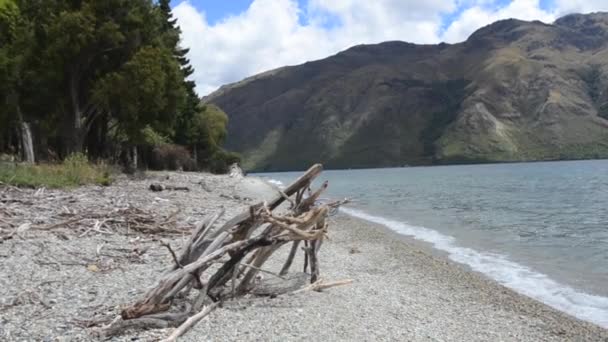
{"type": "Point", "coordinates": [54, 283]}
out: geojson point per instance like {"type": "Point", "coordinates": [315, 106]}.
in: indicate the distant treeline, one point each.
{"type": "Point", "coordinates": [107, 78]}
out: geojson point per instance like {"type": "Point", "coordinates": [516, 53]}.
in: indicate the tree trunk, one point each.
{"type": "Point", "coordinates": [27, 143]}
{"type": "Point", "coordinates": [76, 130]}
{"type": "Point", "coordinates": [134, 158]}
{"type": "Point", "coordinates": [96, 139]}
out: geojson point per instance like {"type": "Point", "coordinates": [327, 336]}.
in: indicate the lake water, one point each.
{"type": "Point", "coordinates": [538, 228]}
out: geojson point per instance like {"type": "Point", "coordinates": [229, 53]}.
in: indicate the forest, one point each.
{"type": "Point", "coordinates": [105, 79]}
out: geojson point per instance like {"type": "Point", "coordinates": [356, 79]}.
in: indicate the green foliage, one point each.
{"type": "Point", "coordinates": [78, 171]}
{"type": "Point", "coordinates": [206, 131]}
{"type": "Point", "coordinates": [14, 33]}
{"type": "Point", "coordinates": [216, 121]}
{"type": "Point", "coordinates": [158, 95]}
{"type": "Point", "coordinates": [221, 160]}
{"type": "Point", "coordinates": [9, 17]}
{"type": "Point", "coordinates": [153, 138]}
{"type": "Point", "coordinates": [74, 171]}
{"type": "Point", "coordinates": [99, 77]}
{"type": "Point", "coordinates": [208, 127]}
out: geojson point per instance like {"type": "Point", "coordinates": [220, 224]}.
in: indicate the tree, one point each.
{"type": "Point", "coordinates": [90, 40]}
{"type": "Point", "coordinates": [171, 34]}
{"type": "Point", "coordinates": [99, 77]}
{"type": "Point", "coordinates": [155, 99]}
{"type": "Point", "coordinates": [207, 129]}
{"type": "Point", "coordinates": [15, 35]}
{"type": "Point", "coordinates": [8, 66]}
{"type": "Point", "coordinates": [206, 133]}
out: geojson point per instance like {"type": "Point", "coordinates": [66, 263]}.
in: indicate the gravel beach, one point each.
{"type": "Point", "coordinates": [54, 283]}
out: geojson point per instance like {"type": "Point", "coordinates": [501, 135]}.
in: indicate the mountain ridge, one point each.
{"type": "Point", "coordinates": [514, 91]}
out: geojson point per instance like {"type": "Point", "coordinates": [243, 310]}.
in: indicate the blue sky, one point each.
{"type": "Point", "coordinates": [217, 10]}
{"type": "Point", "coordinates": [233, 39]}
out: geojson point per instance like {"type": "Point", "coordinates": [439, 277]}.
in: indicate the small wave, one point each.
{"type": "Point", "coordinates": [518, 277]}
{"type": "Point", "coordinates": [276, 182]}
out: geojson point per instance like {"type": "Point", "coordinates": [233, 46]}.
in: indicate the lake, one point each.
{"type": "Point", "coordinates": [538, 228]}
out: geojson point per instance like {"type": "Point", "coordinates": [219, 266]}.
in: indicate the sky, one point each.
{"type": "Point", "coordinates": [233, 39]}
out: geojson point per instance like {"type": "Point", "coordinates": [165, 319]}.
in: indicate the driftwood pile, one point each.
{"type": "Point", "coordinates": [127, 220]}
{"type": "Point", "coordinates": [84, 213]}
{"type": "Point", "coordinates": [220, 263]}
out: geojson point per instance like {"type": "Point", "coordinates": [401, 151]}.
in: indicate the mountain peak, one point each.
{"type": "Point", "coordinates": [585, 31]}
{"type": "Point", "coordinates": [580, 21]}
{"type": "Point", "coordinates": [507, 30]}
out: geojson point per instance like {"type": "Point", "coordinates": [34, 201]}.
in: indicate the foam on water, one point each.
{"type": "Point", "coordinates": [508, 273]}
{"type": "Point", "coordinates": [278, 183]}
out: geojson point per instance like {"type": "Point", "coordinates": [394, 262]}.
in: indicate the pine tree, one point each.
{"type": "Point", "coordinates": [172, 33]}
{"type": "Point", "coordinates": [192, 106]}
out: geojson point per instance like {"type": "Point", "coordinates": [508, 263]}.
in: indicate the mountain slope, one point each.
{"type": "Point", "coordinates": [513, 91]}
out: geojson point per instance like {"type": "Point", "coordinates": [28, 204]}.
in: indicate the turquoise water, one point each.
{"type": "Point", "coordinates": [539, 228]}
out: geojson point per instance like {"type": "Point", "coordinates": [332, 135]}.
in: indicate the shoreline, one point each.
{"type": "Point", "coordinates": [499, 269]}
{"type": "Point", "coordinates": [402, 291]}
{"type": "Point", "coordinates": [478, 277]}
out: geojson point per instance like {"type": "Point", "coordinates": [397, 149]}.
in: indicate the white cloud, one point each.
{"type": "Point", "coordinates": [580, 6]}
{"type": "Point", "coordinates": [482, 14]}
{"type": "Point", "coordinates": [270, 34]}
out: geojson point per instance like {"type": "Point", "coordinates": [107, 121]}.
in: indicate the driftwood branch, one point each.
{"type": "Point", "coordinates": [190, 322]}
{"type": "Point", "coordinates": [321, 285]}
{"type": "Point", "coordinates": [290, 257]}
{"type": "Point", "coordinates": [157, 187]}
{"type": "Point", "coordinates": [168, 246]}
{"type": "Point", "coordinates": [242, 246]}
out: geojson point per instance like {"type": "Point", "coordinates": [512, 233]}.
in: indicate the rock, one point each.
{"type": "Point", "coordinates": [235, 171]}
{"type": "Point", "coordinates": [156, 187]}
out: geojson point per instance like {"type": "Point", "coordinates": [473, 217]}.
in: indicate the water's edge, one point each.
{"type": "Point", "coordinates": [522, 279]}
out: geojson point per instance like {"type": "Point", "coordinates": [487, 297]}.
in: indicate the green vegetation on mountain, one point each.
{"type": "Point", "coordinates": [514, 91]}
{"type": "Point", "coordinates": [104, 78]}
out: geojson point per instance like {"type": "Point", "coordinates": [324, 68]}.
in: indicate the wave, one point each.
{"type": "Point", "coordinates": [515, 276]}
{"type": "Point", "coordinates": [278, 183]}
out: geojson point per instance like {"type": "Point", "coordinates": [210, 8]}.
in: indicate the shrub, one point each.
{"type": "Point", "coordinates": [74, 171]}
{"type": "Point", "coordinates": [79, 171]}
{"type": "Point", "coordinates": [221, 160]}
{"type": "Point", "coordinates": [172, 157]}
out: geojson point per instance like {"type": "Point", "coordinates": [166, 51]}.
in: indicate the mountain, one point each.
{"type": "Point", "coordinates": [514, 91]}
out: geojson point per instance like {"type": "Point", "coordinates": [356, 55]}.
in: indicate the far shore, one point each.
{"type": "Point", "coordinates": [470, 163]}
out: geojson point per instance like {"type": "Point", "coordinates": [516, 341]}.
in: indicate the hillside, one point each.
{"type": "Point", "coordinates": [514, 91]}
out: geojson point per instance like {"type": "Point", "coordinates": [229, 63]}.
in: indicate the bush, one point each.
{"type": "Point", "coordinates": [79, 171]}
{"type": "Point", "coordinates": [74, 171]}
{"type": "Point", "coordinates": [172, 157]}
{"type": "Point", "coordinates": [221, 160]}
